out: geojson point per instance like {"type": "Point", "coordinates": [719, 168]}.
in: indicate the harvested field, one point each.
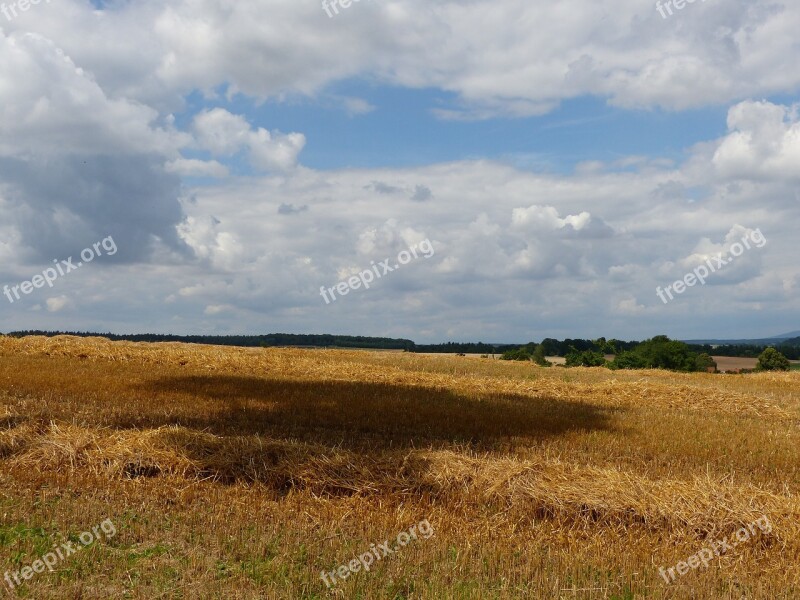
{"type": "Point", "coordinates": [241, 473]}
{"type": "Point", "coordinates": [733, 363]}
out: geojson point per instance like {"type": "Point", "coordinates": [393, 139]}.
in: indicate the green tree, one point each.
{"type": "Point", "coordinates": [539, 357]}
{"type": "Point", "coordinates": [772, 360]}
{"type": "Point", "coordinates": [586, 358]}
{"type": "Point", "coordinates": [661, 352]}
{"type": "Point", "coordinates": [704, 361]}
{"type": "Point", "coordinates": [629, 359]}
{"type": "Point", "coordinates": [551, 347]}
{"type": "Point", "coordinates": [518, 354]}
{"type": "Point", "coordinates": [604, 346]}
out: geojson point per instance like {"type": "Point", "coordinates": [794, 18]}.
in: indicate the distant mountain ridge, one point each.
{"type": "Point", "coordinates": [786, 336]}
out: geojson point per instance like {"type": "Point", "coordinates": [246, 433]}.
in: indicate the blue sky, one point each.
{"type": "Point", "coordinates": [564, 160]}
{"type": "Point", "coordinates": [402, 130]}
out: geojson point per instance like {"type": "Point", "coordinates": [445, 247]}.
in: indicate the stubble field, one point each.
{"type": "Point", "coordinates": [241, 473]}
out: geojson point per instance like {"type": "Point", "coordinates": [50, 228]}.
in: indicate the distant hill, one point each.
{"type": "Point", "coordinates": [790, 339]}
{"type": "Point", "coordinates": [786, 336]}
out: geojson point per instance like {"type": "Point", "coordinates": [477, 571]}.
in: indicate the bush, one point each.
{"type": "Point", "coordinates": [518, 354]}
{"type": "Point", "coordinates": [539, 357]}
{"type": "Point", "coordinates": [534, 352]}
{"type": "Point", "coordinates": [628, 360]}
{"type": "Point", "coordinates": [772, 360]}
{"type": "Point", "coordinates": [658, 353]}
{"type": "Point", "coordinates": [663, 353]}
{"type": "Point", "coordinates": [585, 359]}
{"type": "Point", "coordinates": [703, 362]}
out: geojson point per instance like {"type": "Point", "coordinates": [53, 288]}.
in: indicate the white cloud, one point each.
{"type": "Point", "coordinates": [764, 143]}
{"type": "Point", "coordinates": [216, 309]}
{"type": "Point", "coordinates": [57, 304]}
{"type": "Point", "coordinates": [515, 57]}
{"type": "Point", "coordinates": [190, 167]}
{"type": "Point", "coordinates": [51, 105]}
{"type": "Point", "coordinates": [357, 106]}
{"type": "Point", "coordinates": [630, 306]}
{"type": "Point", "coordinates": [513, 281]}
{"type": "Point", "coordinates": [224, 134]}
{"type": "Point", "coordinates": [546, 217]}
{"type": "Point", "coordinates": [78, 164]}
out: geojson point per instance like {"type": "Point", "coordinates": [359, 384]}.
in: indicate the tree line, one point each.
{"type": "Point", "coordinates": [659, 352]}
{"type": "Point", "coordinates": [268, 340]}
{"type": "Point", "coordinates": [789, 348]}
{"type": "Point", "coordinates": [583, 351]}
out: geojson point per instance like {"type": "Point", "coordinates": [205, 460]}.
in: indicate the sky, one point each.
{"type": "Point", "coordinates": [472, 170]}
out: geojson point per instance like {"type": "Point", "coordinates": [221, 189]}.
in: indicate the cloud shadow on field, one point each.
{"type": "Point", "coordinates": [357, 414]}
{"type": "Point", "coordinates": [332, 438]}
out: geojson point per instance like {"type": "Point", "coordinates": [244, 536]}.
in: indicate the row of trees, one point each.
{"type": "Point", "coordinates": [558, 348]}
{"type": "Point", "coordinates": [659, 352]}
{"type": "Point", "coordinates": [463, 348]}
{"type": "Point", "coordinates": [789, 348]}
{"type": "Point", "coordinates": [550, 346]}
{"type": "Point", "coordinates": [268, 340]}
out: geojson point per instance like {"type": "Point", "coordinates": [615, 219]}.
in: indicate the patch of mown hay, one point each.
{"type": "Point", "coordinates": [573, 496]}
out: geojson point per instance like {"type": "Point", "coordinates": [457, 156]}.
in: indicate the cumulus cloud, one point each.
{"type": "Point", "coordinates": [57, 304]}
{"type": "Point", "coordinates": [546, 218]}
{"type": "Point", "coordinates": [76, 164]}
{"type": "Point", "coordinates": [210, 241]}
{"type": "Point", "coordinates": [216, 309]}
{"type": "Point", "coordinates": [599, 236]}
{"type": "Point", "coordinates": [520, 60]}
{"type": "Point", "coordinates": [739, 268]}
{"type": "Point", "coordinates": [51, 104]}
{"type": "Point", "coordinates": [630, 306]}
{"type": "Point", "coordinates": [192, 167]}
{"type": "Point", "coordinates": [224, 134]}
{"type": "Point", "coordinates": [497, 254]}
{"type": "Point", "coordinates": [764, 142]}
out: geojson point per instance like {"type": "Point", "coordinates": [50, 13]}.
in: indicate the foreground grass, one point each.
{"type": "Point", "coordinates": [240, 473]}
